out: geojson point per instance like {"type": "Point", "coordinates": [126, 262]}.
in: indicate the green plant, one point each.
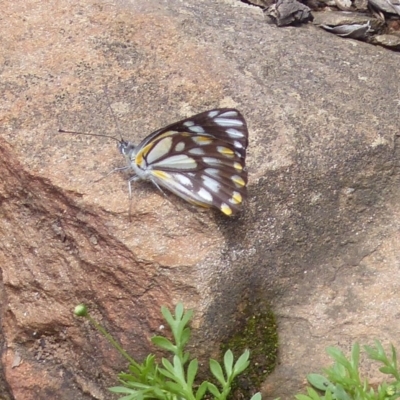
{"type": "Point", "coordinates": [175, 379]}
{"type": "Point", "coordinates": [343, 381]}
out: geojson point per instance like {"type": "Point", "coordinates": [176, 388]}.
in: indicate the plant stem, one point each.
{"type": "Point", "coordinates": [112, 341]}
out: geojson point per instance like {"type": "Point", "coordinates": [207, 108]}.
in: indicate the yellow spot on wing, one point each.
{"type": "Point", "coordinates": [161, 174]}
{"type": "Point", "coordinates": [198, 203]}
{"type": "Point", "coordinates": [237, 180]}
{"type": "Point", "coordinates": [226, 209]}
{"type": "Point", "coordinates": [238, 166]}
{"type": "Point", "coordinates": [225, 151]}
{"type": "Point", "coordinates": [142, 153]}
{"type": "Point", "coordinates": [165, 134]}
{"type": "Point", "coordinates": [201, 140]}
{"type": "Point", "coordinates": [237, 198]}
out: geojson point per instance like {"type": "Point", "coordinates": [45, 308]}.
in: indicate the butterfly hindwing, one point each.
{"type": "Point", "coordinates": [200, 159]}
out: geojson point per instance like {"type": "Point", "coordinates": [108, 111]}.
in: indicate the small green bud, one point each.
{"type": "Point", "coordinates": [390, 390]}
{"type": "Point", "coordinates": [81, 310]}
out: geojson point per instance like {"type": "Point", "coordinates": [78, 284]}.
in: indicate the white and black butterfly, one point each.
{"type": "Point", "coordinates": [200, 159]}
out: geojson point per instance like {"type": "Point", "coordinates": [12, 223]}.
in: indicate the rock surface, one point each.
{"type": "Point", "coordinates": [319, 239]}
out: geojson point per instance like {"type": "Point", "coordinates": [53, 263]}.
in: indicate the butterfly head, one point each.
{"type": "Point", "coordinates": [126, 148]}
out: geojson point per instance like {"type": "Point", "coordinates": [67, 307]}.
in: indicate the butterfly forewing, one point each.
{"type": "Point", "coordinates": [201, 159]}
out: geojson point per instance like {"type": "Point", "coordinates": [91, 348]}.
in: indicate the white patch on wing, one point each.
{"type": "Point", "coordinates": [181, 190]}
{"type": "Point", "coordinates": [179, 161]}
{"type": "Point", "coordinates": [196, 151]}
{"type": "Point", "coordinates": [231, 113]}
{"type": "Point", "coordinates": [228, 122]}
{"type": "Point", "coordinates": [159, 150]}
{"type": "Point", "coordinates": [188, 123]}
{"type": "Point", "coordinates": [212, 171]}
{"type": "Point", "coordinates": [237, 145]}
{"type": "Point", "coordinates": [211, 184]}
{"type": "Point", "coordinates": [234, 133]}
{"type": "Point", "coordinates": [177, 185]}
{"type": "Point", "coordinates": [205, 195]}
{"type": "Point", "coordinates": [196, 129]}
{"type": "Point", "coordinates": [211, 160]}
{"type": "Point", "coordinates": [183, 180]}
{"type": "Point", "coordinates": [212, 114]}
{"type": "Point", "coordinates": [179, 146]}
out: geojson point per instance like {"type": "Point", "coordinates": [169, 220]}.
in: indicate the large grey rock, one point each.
{"type": "Point", "coordinates": [319, 239]}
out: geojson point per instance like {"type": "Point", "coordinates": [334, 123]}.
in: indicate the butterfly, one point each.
{"type": "Point", "coordinates": [201, 159]}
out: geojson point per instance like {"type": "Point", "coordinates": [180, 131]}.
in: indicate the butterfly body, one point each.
{"type": "Point", "coordinates": [200, 159]}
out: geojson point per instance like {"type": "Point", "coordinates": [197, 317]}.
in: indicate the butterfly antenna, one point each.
{"type": "Point", "coordinates": [88, 134]}
{"type": "Point", "coordinates": [112, 113]}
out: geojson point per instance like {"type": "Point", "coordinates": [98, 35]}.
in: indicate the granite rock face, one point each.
{"type": "Point", "coordinates": [318, 239]}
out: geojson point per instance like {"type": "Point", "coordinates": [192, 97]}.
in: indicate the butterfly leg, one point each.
{"type": "Point", "coordinates": [153, 181]}
{"type": "Point", "coordinates": [158, 187]}
{"type": "Point", "coordinates": [111, 172]}
{"type": "Point", "coordinates": [133, 178]}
